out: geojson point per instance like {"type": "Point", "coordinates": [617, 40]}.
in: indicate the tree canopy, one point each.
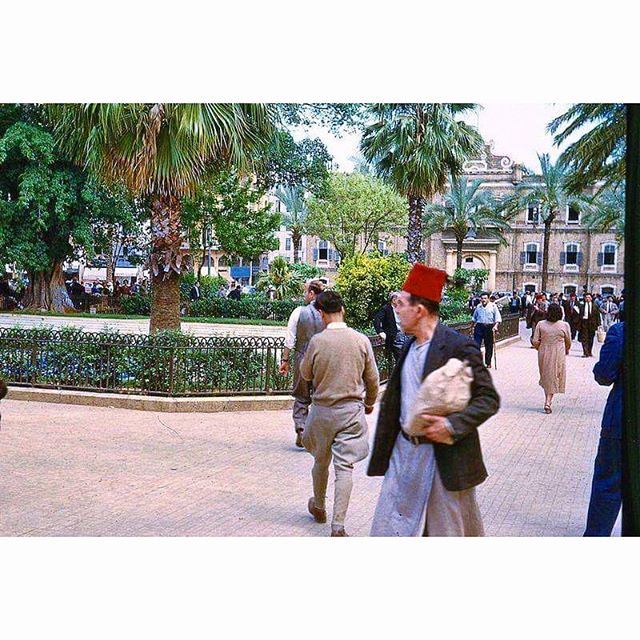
{"type": "Point", "coordinates": [354, 210]}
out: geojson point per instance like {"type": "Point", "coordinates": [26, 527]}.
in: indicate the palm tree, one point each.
{"type": "Point", "coordinates": [162, 151]}
{"type": "Point", "coordinates": [416, 147]}
{"type": "Point", "coordinates": [284, 280]}
{"type": "Point", "coordinates": [550, 194]}
{"type": "Point", "coordinates": [294, 201]}
{"type": "Point", "coordinates": [466, 208]}
{"type": "Point", "coordinates": [606, 211]}
{"type": "Point", "coordinates": [599, 154]}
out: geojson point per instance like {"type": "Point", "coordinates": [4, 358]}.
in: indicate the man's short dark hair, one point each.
{"type": "Point", "coordinates": [317, 286]}
{"type": "Point", "coordinates": [431, 306]}
{"type": "Point", "coordinates": [554, 312]}
{"type": "Point", "coordinates": [484, 293]}
{"type": "Point", "coordinates": [329, 302]}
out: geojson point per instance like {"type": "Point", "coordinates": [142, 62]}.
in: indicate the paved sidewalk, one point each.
{"type": "Point", "coordinates": [203, 329]}
{"type": "Point", "coordinates": [68, 471]}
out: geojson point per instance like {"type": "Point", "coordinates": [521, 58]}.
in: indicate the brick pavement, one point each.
{"type": "Point", "coordinates": [69, 471]}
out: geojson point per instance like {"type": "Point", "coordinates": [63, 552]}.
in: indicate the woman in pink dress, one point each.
{"type": "Point", "coordinates": [552, 339]}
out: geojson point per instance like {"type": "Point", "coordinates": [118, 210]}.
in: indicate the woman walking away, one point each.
{"type": "Point", "coordinates": [552, 339]}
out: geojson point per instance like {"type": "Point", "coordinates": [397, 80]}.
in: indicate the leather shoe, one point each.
{"type": "Point", "coordinates": [319, 515]}
{"type": "Point", "coordinates": [299, 439]}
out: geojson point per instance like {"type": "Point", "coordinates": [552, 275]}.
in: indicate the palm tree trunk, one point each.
{"type": "Point", "coordinates": [415, 251]}
{"type": "Point", "coordinates": [166, 240]}
{"type": "Point", "coordinates": [47, 290]}
{"type": "Point", "coordinates": [545, 252]}
{"type": "Point", "coordinates": [296, 238]}
{"type": "Point", "coordinates": [459, 244]}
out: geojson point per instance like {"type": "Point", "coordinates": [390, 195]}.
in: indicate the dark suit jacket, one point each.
{"type": "Point", "coordinates": [572, 318]}
{"type": "Point", "coordinates": [460, 465]}
{"type": "Point", "coordinates": [593, 321]}
{"type": "Point", "coordinates": [608, 370]}
{"type": "Point", "coordinates": [384, 320]}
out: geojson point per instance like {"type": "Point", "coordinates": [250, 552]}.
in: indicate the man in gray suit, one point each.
{"type": "Point", "coordinates": [304, 323]}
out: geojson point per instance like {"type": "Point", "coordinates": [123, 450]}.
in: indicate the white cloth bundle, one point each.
{"type": "Point", "coordinates": [444, 391]}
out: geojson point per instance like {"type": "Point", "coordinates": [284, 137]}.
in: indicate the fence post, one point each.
{"type": "Point", "coordinates": [267, 387]}
{"type": "Point", "coordinates": [171, 372]}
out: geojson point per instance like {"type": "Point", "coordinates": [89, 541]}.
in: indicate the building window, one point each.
{"type": "Point", "coordinates": [223, 262]}
{"type": "Point", "coordinates": [533, 214]}
{"type": "Point", "coordinates": [568, 289]}
{"type": "Point", "coordinates": [382, 248]}
{"type": "Point", "coordinates": [607, 290]}
{"type": "Point", "coordinates": [469, 259]}
{"type": "Point", "coordinates": [572, 254]}
{"type": "Point", "coordinates": [531, 253]}
{"type": "Point", "coordinates": [573, 215]}
{"type": "Point", "coordinates": [609, 255]}
{"type": "Point", "coordinates": [287, 244]}
{"type": "Point", "coordinates": [323, 250]}
{"type": "Point", "coordinates": [529, 287]}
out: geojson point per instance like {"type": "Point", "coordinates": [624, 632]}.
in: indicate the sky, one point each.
{"type": "Point", "coordinates": [517, 131]}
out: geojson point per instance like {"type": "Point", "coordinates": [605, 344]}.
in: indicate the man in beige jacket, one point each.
{"type": "Point", "coordinates": [340, 364]}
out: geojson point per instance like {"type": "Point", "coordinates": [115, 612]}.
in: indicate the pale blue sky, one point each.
{"type": "Point", "coordinates": [517, 130]}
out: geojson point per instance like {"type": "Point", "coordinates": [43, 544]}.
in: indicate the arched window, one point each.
{"type": "Point", "coordinates": [608, 290]}
{"type": "Point", "coordinates": [223, 262]}
{"type": "Point", "coordinates": [568, 289]}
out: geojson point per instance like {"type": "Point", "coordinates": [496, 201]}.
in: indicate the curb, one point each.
{"type": "Point", "coordinates": [152, 403]}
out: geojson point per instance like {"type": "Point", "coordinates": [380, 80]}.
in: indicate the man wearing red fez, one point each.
{"type": "Point", "coordinates": [430, 479]}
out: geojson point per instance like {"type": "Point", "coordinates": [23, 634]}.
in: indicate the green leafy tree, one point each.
{"type": "Point", "coordinates": [466, 208]}
{"type": "Point", "coordinates": [286, 163]}
{"type": "Point", "coordinates": [49, 210]}
{"type": "Point", "coordinates": [230, 209]}
{"type": "Point", "coordinates": [365, 282]}
{"type": "Point", "coordinates": [163, 151]}
{"type": "Point", "coordinates": [354, 210]}
{"type": "Point", "coordinates": [285, 282]}
{"type": "Point", "coordinates": [598, 155]}
{"type": "Point", "coordinates": [550, 194]}
{"type": "Point", "coordinates": [335, 116]}
{"type": "Point", "coordinates": [416, 147]}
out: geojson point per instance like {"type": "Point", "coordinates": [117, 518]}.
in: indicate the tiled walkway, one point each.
{"type": "Point", "coordinates": [68, 471]}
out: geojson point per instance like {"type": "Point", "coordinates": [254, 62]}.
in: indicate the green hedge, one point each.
{"type": "Point", "coordinates": [248, 307]}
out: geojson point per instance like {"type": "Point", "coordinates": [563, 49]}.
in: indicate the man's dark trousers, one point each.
{"type": "Point", "coordinates": [586, 338]}
{"type": "Point", "coordinates": [484, 333]}
{"type": "Point", "coordinates": [606, 492]}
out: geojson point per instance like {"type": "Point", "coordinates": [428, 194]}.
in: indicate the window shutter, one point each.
{"type": "Point", "coordinates": [563, 258]}
{"type": "Point", "coordinates": [579, 258]}
{"type": "Point", "coordinates": [330, 254]}
{"type": "Point", "coordinates": [600, 259]}
{"type": "Point", "coordinates": [315, 254]}
{"type": "Point", "coordinates": [539, 258]}
{"type": "Point", "coordinates": [523, 257]}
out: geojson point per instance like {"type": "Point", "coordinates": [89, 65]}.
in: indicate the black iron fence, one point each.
{"type": "Point", "coordinates": [167, 365]}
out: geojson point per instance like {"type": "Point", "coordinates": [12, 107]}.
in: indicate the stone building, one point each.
{"type": "Point", "coordinates": [578, 256]}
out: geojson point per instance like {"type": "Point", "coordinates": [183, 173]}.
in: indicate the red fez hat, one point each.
{"type": "Point", "coordinates": [425, 282]}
